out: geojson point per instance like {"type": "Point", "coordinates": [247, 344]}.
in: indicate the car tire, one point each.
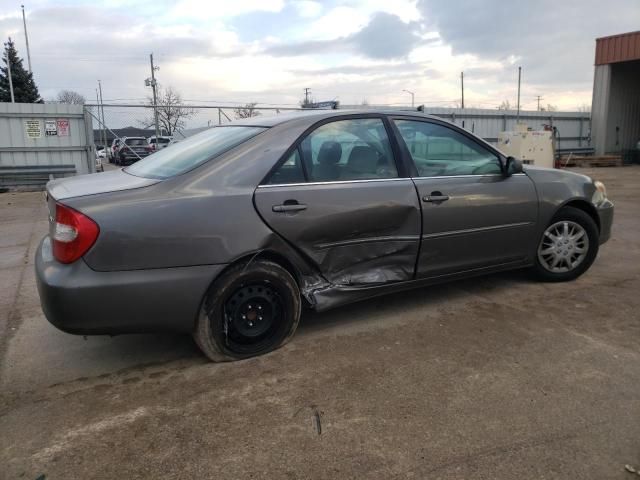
{"type": "Point", "coordinates": [252, 309]}
{"type": "Point", "coordinates": [551, 247]}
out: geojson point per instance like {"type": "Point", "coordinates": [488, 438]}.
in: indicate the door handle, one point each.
{"type": "Point", "coordinates": [289, 207]}
{"type": "Point", "coordinates": [435, 197]}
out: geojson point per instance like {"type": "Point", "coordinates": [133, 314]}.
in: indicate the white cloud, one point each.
{"type": "Point", "coordinates": [308, 8]}
{"type": "Point", "coordinates": [198, 9]}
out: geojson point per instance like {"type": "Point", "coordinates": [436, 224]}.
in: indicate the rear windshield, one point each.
{"type": "Point", "coordinates": [164, 140]}
{"type": "Point", "coordinates": [135, 141]}
{"type": "Point", "coordinates": [189, 153]}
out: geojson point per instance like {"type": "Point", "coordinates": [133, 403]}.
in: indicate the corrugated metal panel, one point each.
{"type": "Point", "coordinates": [18, 149]}
{"type": "Point", "coordinates": [618, 48]}
{"type": "Point", "coordinates": [573, 127]}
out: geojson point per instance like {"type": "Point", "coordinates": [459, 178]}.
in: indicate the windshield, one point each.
{"type": "Point", "coordinates": [135, 141]}
{"type": "Point", "coordinates": [191, 152]}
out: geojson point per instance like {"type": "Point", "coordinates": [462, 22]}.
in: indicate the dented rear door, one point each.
{"type": "Point", "coordinates": [360, 232]}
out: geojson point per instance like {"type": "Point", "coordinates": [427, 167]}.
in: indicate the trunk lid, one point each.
{"type": "Point", "coordinates": [93, 184]}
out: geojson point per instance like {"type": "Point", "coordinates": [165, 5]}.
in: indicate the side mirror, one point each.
{"type": "Point", "coordinates": [513, 165]}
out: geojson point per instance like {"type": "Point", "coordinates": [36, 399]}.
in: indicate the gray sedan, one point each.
{"type": "Point", "coordinates": [229, 233]}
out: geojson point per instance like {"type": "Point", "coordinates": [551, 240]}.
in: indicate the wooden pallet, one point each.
{"type": "Point", "coordinates": [592, 161]}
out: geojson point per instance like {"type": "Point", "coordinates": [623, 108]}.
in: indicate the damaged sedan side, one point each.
{"type": "Point", "coordinates": [229, 234]}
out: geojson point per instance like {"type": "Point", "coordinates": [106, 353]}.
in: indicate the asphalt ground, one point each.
{"type": "Point", "coordinates": [497, 377]}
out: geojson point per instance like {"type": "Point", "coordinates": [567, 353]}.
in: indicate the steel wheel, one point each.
{"type": "Point", "coordinates": [563, 247]}
{"type": "Point", "coordinates": [252, 315]}
{"type": "Point", "coordinates": [249, 310]}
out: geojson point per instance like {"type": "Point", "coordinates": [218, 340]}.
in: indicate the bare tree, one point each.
{"type": "Point", "coordinates": [248, 111]}
{"type": "Point", "coordinates": [585, 108]}
{"type": "Point", "coordinates": [549, 108]}
{"type": "Point", "coordinates": [172, 114]}
{"type": "Point", "coordinates": [505, 105]}
{"type": "Point", "coordinates": [69, 96]}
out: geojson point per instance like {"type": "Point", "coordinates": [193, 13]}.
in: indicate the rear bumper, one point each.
{"type": "Point", "coordinates": [77, 299]}
{"type": "Point", "coordinates": [605, 213]}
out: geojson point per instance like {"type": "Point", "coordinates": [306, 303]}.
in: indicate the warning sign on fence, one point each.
{"type": "Point", "coordinates": [50, 128]}
{"type": "Point", "coordinates": [33, 128]}
{"type": "Point", "coordinates": [63, 127]}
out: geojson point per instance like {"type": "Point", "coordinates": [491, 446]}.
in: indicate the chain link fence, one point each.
{"type": "Point", "coordinates": [114, 124]}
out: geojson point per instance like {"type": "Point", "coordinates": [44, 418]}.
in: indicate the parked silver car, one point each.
{"type": "Point", "coordinates": [229, 233]}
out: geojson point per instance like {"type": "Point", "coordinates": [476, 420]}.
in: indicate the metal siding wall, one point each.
{"type": "Point", "coordinates": [600, 107]}
{"type": "Point", "coordinates": [618, 48]}
{"type": "Point", "coordinates": [13, 135]}
{"type": "Point", "coordinates": [488, 123]}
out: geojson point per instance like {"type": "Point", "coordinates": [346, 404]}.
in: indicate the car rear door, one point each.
{"type": "Point", "coordinates": [340, 198]}
{"type": "Point", "coordinates": [473, 216]}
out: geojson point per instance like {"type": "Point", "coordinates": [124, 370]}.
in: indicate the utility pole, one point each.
{"type": "Point", "coordinates": [539, 98]}
{"type": "Point", "coordinates": [519, 77]}
{"type": "Point", "coordinates": [26, 38]}
{"type": "Point", "coordinates": [155, 95]}
{"type": "Point", "coordinates": [306, 96]}
{"type": "Point", "coordinates": [462, 85]}
{"type": "Point", "coordinates": [6, 50]}
{"type": "Point", "coordinates": [103, 131]}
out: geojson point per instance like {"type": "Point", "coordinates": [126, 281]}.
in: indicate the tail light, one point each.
{"type": "Point", "coordinates": [72, 233]}
{"type": "Point", "coordinates": [151, 148]}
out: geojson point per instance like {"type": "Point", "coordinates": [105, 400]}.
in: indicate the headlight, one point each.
{"type": "Point", "coordinates": [600, 194]}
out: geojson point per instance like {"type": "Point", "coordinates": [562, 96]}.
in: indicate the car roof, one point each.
{"type": "Point", "coordinates": [278, 119]}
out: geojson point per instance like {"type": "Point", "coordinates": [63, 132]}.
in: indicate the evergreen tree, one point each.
{"type": "Point", "coordinates": [24, 88]}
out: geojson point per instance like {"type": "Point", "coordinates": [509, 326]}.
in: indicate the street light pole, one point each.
{"type": "Point", "coordinates": [155, 98]}
{"type": "Point", "coordinates": [412, 97]}
{"type": "Point", "coordinates": [26, 38]}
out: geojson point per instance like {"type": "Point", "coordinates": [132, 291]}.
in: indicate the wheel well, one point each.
{"type": "Point", "coordinates": [587, 208]}
{"type": "Point", "coordinates": [274, 257]}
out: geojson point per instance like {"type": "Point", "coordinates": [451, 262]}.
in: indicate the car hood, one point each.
{"type": "Point", "coordinates": [550, 173]}
{"type": "Point", "coordinates": [95, 183]}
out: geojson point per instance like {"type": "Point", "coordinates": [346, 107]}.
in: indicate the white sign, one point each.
{"type": "Point", "coordinates": [50, 128]}
{"type": "Point", "coordinates": [63, 127]}
{"type": "Point", "coordinates": [33, 128]}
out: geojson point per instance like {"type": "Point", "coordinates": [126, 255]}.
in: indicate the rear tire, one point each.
{"type": "Point", "coordinates": [250, 310]}
{"type": "Point", "coordinates": [568, 246]}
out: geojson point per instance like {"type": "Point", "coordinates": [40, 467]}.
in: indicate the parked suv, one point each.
{"type": "Point", "coordinates": [160, 142]}
{"type": "Point", "coordinates": [131, 150]}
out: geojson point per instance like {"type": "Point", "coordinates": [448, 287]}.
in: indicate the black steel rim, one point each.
{"type": "Point", "coordinates": [254, 317]}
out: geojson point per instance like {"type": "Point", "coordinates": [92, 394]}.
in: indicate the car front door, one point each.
{"type": "Point", "coordinates": [473, 216]}
{"type": "Point", "coordinates": [340, 198]}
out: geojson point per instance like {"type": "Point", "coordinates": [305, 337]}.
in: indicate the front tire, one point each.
{"type": "Point", "coordinates": [568, 246]}
{"type": "Point", "coordinates": [250, 310]}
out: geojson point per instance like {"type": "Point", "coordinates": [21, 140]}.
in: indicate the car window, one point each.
{"type": "Point", "coordinates": [355, 149]}
{"type": "Point", "coordinates": [289, 172]}
{"type": "Point", "coordinates": [438, 150]}
{"type": "Point", "coordinates": [164, 140]}
{"type": "Point", "coordinates": [135, 141]}
{"type": "Point", "coordinates": [193, 151]}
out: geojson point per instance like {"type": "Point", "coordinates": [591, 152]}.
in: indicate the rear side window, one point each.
{"type": "Point", "coordinates": [439, 151]}
{"type": "Point", "coordinates": [183, 156]}
{"type": "Point", "coordinates": [355, 149]}
{"type": "Point", "coordinates": [289, 172]}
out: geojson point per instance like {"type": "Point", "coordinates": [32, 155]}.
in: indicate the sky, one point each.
{"type": "Point", "coordinates": [354, 51]}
